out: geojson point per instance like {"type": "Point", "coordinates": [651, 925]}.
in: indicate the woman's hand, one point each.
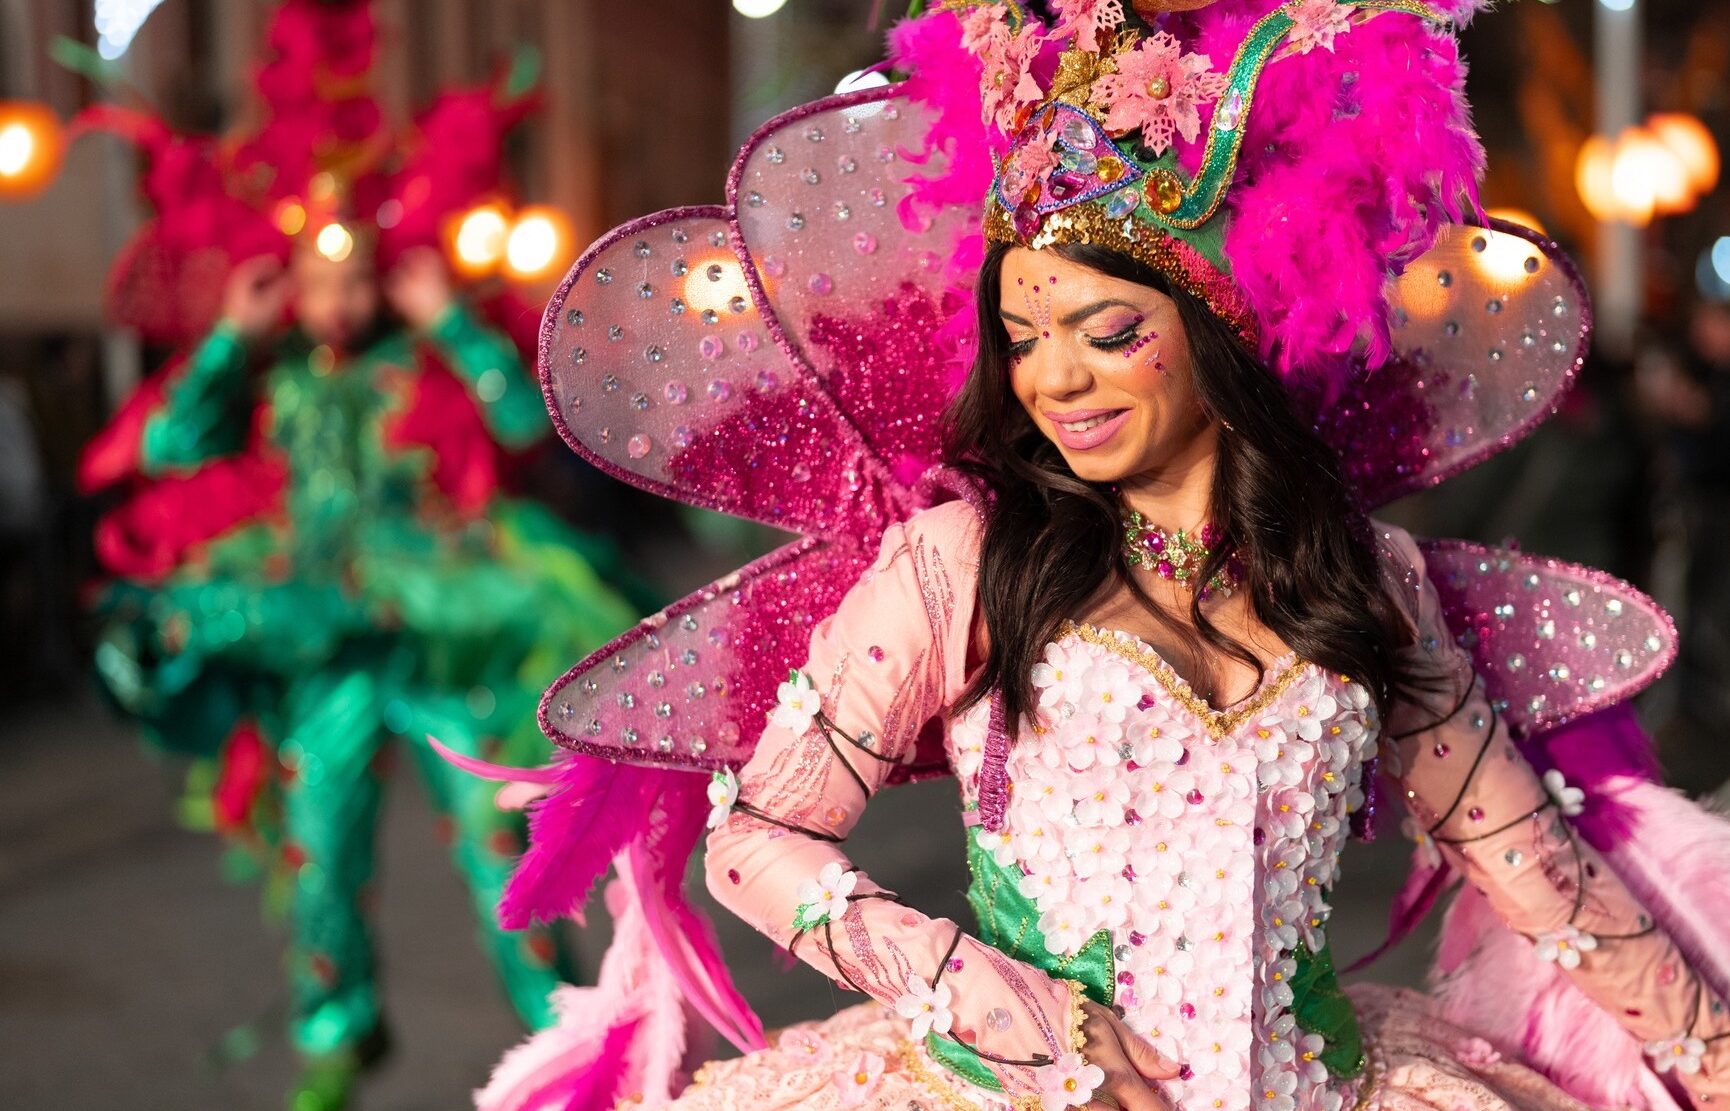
{"type": "Point", "coordinates": [1130, 1064]}
{"type": "Point", "coordinates": [419, 287]}
{"type": "Point", "coordinates": [255, 295]}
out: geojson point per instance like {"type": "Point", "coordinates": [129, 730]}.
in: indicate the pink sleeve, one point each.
{"type": "Point", "coordinates": [892, 657]}
{"type": "Point", "coordinates": [1506, 830]}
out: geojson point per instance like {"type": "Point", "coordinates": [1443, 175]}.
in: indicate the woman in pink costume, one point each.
{"type": "Point", "coordinates": [1079, 357]}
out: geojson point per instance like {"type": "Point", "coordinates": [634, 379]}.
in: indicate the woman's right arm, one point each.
{"type": "Point", "coordinates": [891, 658]}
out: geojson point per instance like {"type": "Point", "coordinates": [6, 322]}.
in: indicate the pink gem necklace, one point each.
{"type": "Point", "coordinates": [1178, 556]}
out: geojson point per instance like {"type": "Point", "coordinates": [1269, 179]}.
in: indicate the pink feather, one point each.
{"type": "Point", "coordinates": [574, 833]}
{"type": "Point", "coordinates": [1675, 862]}
{"type": "Point", "coordinates": [585, 1059]}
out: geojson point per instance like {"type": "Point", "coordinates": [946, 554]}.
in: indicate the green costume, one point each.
{"type": "Point", "coordinates": [361, 581]}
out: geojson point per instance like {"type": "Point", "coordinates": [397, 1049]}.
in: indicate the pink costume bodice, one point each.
{"type": "Point", "coordinates": [1205, 843]}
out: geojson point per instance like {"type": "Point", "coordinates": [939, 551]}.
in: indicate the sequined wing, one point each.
{"type": "Point", "coordinates": [1491, 326]}
{"type": "Point", "coordinates": [1553, 640]}
{"type": "Point", "coordinates": [691, 687]}
{"type": "Point", "coordinates": [771, 358]}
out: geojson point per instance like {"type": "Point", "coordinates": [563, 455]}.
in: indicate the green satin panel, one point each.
{"type": "Point", "coordinates": [1009, 922]}
{"type": "Point", "coordinates": [1322, 1007]}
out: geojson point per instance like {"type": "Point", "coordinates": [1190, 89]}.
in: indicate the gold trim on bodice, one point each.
{"type": "Point", "coordinates": [1218, 723]}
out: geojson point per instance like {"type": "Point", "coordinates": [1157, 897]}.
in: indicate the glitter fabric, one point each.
{"type": "Point", "coordinates": [1552, 640]}
{"type": "Point", "coordinates": [1490, 329]}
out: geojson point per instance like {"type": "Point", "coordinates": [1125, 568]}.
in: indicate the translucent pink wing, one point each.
{"type": "Point", "coordinates": [1491, 326]}
{"type": "Point", "coordinates": [851, 275]}
{"type": "Point", "coordinates": [691, 687]}
{"type": "Point", "coordinates": [1552, 640]}
{"type": "Point", "coordinates": [658, 368]}
{"type": "Point", "coordinates": [771, 359]}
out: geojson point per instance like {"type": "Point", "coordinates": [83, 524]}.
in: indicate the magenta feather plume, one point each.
{"type": "Point", "coordinates": [595, 809]}
{"type": "Point", "coordinates": [1364, 151]}
{"type": "Point", "coordinates": [591, 1057]}
{"type": "Point", "coordinates": [683, 938]}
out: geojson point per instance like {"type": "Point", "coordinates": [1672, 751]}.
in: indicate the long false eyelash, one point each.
{"type": "Point", "coordinates": [1123, 338]}
{"type": "Point", "coordinates": [1020, 348]}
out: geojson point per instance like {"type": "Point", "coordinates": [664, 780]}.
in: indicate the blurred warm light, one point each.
{"type": "Point", "coordinates": [1658, 170]}
{"type": "Point", "coordinates": [1504, 258]}
{"type": "Point", "coordinates": [334, 242]}
{"type": "Point", "coordinates": [538, 245]}
{"type": "Point", "coordinates": [1688, 139]}
{"type": "Point", "coordinates": [1517, 216]}
{"type": "Point", "coordinates": [1592, 178]}
{"type": "Point", "coordinates": [757, 9]}
{"type": "Point", "coordinates": [481, 236]}
{"type": "Point", "coordinates": [31, 143]}
{"type": "Point", "coordinates": [291, 217]}
{"type": "Point", "coordinates": [716, 283]}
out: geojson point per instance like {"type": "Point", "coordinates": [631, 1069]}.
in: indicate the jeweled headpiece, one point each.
{"type": "Point", "coordinates": [1279, 161]}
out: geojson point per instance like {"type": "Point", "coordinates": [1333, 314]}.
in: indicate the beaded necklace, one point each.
{"type": "Point", "coordinates": [1178, 556]}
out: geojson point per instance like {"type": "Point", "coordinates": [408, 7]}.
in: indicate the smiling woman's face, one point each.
{"type": "Point", "coordinates": [1102, 367]}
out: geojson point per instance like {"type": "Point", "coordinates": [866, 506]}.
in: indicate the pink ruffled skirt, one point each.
{"type": "Point", "coordinates": [861, 1058]}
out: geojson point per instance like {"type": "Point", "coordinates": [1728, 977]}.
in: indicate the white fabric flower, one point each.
{"type": "Point", "coordinates": [998, 845]}
{"type": "Point", "coordinates": [1064, 927]}
{"type": "Point", "coordinates": [797, 703]}
{"type": "Point", "coordinates": [1059, 678]}
{"type": "Point", "coordinates": [1068, 1081]}
{"type": "Point", "coordinates": [1569, 800]}
{"type": "Point", "coordinates": [824, 898]}
{"type": "Point", "coordinates": [1276, 1092]}
{"type": "Point", "coordinates": [1429, 854]}
{"type": "Point", "coordinates": [1111, 693]}
{"type": "Point", "coordinates": [723, 793]}
{"type": "Point", "coordinates": [1682, 1054]}
{"type": "Point", "coordinates": [926, 1005]}
{"type": "Point", "coordinates": [1564, 946]}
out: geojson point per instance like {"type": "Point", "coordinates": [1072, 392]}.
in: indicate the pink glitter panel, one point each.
{"type": "Point", "coordinates": [691, 686]}
{"type": "Point", "coordinates": [1552, 640]}
{"type": "Point", "coordinates": [1490, 330]}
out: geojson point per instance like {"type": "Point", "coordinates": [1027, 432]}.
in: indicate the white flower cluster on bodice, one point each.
{"type": "Point", "coordinates": [1202, 841]}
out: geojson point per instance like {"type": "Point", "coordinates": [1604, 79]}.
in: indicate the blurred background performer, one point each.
{"type": "Point", "coordinates": [312, 555]}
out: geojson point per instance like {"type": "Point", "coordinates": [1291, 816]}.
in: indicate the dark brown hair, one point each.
{"type": "Point", "coordinates": [1053, 542]}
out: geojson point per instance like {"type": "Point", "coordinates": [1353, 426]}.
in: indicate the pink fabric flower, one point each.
{"type": "Point", "coordinates": [805, 1047]}
{"type": "Point", "coordinates": [1682, 1054]}
{"type": "Point", "coordinates": [1316, 22]}
{"type": "Point", "coordinates": [1085, 19]}
{"type": "Point", "coordinates": [1159, 89]}
{"type": "Point", "coordinates": [1009, 81]}
{"type": "Point", "coordinates": [824, 898]}
{"type": "Point", "coordinates": [857, 1084]}
{"type": "Point", "coordinates": [1564, 946]}
{"type": "Point", "coordinates": [1032, 162]}
{"type": "Point", "coordinates": [1069, 1081]}
{"type": "Point", "coordinates": [797, 703]}
{"type": "Point", "coordinates": [1477, 1053]}
{"type": "Point", "coordinates": [983, 26]}
{"type": "Point", "coordinates": [926, 1006]}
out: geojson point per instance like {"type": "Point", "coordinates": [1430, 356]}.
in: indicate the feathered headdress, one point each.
{"type": "Point", "coordinates": [1278, 160]}
{"type": "Point", "coordinates": [322, 153]}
